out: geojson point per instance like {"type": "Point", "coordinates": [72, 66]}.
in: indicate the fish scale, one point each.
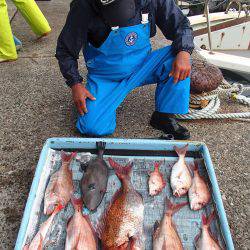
{"type": "Point", "coordinates": [123, 219]}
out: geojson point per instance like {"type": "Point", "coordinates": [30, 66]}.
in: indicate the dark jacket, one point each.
{"type": "Point", "coordinates": [85, 24]}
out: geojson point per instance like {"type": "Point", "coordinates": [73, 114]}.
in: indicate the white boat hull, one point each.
{"type": "Point", "coordinates": [230, 40]}
{"type": "Point", "coordinates": [237, 64]}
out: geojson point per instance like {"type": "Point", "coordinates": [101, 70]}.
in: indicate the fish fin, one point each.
{"type": "Point", "coordinates": [181, 151]}
{"type": "Point", "coordinates": [77, 202]}
{"type": "Point", "coordinates": [173, 208]}
{"type": "Point", "coordinates": [196, 166]}
{"type": "Point", "coordinates": [196, 238]}
{"type": "Point", "coordinates": [210, 218]}
{"type": "Point", "coordinates": [67, 157]}
{"type": "Point", "coordinates": [58, 208]}
{"type": "Point", "coordinates": [215, 238]}
{"type": "Point", "coordinates": [193, 167]}
{"type": "Point", "coordinates": [190, 167]}
{"type": "Point", "coordinates": [206, 221]}
{"type": "Point", "coordinates": [121, 171]}
{"type": "Point", "coordinates": [100, 146]}
{"type": "Point", "coordinates": [164, 182]}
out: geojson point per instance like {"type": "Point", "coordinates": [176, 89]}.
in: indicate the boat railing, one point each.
{"type": "Point", "coordinates": [241, 7]}
{"type": "Point", "coordinates": [206, 13]}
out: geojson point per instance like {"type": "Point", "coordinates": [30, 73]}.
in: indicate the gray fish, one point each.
{"type": "Point", "coordinates": [94, 182]}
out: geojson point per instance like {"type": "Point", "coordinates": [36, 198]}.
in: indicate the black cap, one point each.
{"type": "Point", "coordinates": [117, 12]}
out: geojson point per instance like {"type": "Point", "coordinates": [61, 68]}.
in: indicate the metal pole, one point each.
{"type": "Point", "coordinates": [208, 26]}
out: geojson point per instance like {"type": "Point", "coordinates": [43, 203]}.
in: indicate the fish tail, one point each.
{"type": "Point", "coordinates": [121, 171]}
{"type": "Point", "coordinates": [100, 146]}
{"type": "Point", "coordinates": [181, 151]}
{"type": "Point", "coordinates": [173, 208]}
{"type": "Point", "coordinates": [67, 157]}
{"type": "Point", "coordinates": [157, 165]}
{"type": "Point", "coordinates": [206, 221]}
{"type": "Point", "coordinates": [193, 167]}
{"type": "Point", "coordinates": [77, 202]}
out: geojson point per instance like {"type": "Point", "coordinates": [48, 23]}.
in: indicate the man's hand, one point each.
{"type": "Point", "coordinates": [181, 66]}
{"type": "Point", "coordinates": [80, 94]}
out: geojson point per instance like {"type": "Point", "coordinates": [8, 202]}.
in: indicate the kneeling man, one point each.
{"type": "Point", "coordinates": [115, 38]}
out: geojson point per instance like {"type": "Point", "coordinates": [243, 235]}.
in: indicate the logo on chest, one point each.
{"type": "Point", "coordinates": [131, 38]}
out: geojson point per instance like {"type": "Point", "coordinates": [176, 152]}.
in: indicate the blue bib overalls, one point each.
{"type": "Point", "coordinates": [122, 63]}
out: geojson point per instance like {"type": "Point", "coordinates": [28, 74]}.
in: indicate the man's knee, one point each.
{"type": "Point", "coordinates": [93, 127]}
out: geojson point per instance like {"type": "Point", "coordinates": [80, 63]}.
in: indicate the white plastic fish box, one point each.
{"type": "Point", "coordinates": [143, 152]}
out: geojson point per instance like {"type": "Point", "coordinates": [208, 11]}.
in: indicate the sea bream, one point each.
{"type": "Point", "coordinates": [80, 234]}
{"type": "Point", "coordinates": [166, 236]}
{"type": "Point", "coordinates": [199, 195]}
{"type": "Point", "coordinates": [95, 179]}
{"type": "Point", "coordinates": [180, 178]}
{"type": "Point", "coordinates": [205, 240]}
{"type": "Point", "coordinates": [60, 185]}
{"type": "Point", "coordinates": [37, 242]}
{"type": "Point", "coordinates": [122, 224]}
{"type": "Point", "coordinates": [156, 182]}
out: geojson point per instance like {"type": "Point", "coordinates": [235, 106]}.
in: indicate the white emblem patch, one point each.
{"type": "Point", "coordinates": [131, 38]}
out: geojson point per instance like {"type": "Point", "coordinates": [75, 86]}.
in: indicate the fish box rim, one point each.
{"type": "Point", "coordinates": [119, 143]}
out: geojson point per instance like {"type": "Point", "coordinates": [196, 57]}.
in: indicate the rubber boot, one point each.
{"type": "Point", "coordinates": [169, 125]}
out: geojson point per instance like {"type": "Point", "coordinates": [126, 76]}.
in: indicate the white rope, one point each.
{"type": "Point", "coordinates": [233, 91]}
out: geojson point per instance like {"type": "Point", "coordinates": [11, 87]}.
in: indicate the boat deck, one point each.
{"type": "Point", "coordinates": [242, 53]}
{"type": "Point", "coordinates": [35, 105]}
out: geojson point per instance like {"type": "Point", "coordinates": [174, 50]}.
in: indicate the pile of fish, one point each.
{"type": "Point", "coordinates": [122, 224]}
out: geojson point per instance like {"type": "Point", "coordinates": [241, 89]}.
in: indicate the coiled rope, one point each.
{"type": "Point", "coordinates": [206, 105]}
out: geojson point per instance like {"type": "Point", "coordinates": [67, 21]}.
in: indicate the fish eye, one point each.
{"type": "Point", "coordinates": [91, 186]}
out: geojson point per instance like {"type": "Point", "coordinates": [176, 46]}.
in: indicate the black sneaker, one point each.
{"type": "Point", "coordinates": [168, 125]}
